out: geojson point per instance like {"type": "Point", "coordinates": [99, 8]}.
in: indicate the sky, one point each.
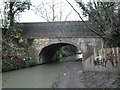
{"type": "Point", "coordinates": [31, 16]}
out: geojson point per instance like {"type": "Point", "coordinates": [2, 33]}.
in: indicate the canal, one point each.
{"type": "Point", "coordinates": [41, 76]}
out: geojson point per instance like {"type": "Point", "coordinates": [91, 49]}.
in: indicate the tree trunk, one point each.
{"type": "Point", "coordinates": [118, 15]}
{"type": "Point", "coordinates": [11, 14]}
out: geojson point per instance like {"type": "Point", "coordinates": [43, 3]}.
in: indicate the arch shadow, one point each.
{"type": "Point", "coordinates": [47, 53]}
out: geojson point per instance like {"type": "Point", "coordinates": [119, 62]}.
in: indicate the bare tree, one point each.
{"type": "Point", "coordinates": [53, 10]}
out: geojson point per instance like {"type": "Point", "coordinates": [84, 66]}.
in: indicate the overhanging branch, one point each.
{"type": "Point", "coordinates": [84, 21]}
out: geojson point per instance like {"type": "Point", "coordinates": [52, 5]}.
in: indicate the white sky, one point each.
{"type": "Point", "coordinates": [30, 16]}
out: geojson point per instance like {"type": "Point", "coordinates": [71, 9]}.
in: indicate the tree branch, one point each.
{"type": "Point", "coordinates": [68, 15]}
{"type": "Point", "coordinates": [84, 21]}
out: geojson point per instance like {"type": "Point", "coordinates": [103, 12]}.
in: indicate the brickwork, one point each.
{"type": "Point", "coordinates": [86, 45]}
{"type": "Point", "coordinates": [69, 29]}
{"type": "Point", "coordinates": [46, 34]}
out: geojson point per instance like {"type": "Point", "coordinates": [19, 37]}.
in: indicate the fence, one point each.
{"type": "Point", "coordinates": [109, 60]}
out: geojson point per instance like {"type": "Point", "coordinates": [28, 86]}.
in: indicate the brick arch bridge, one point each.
{"type": "Point", "coordinates": [53, 35]}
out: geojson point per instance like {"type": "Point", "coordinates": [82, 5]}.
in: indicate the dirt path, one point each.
{"type": "Point", "coordinates": [73, 77]}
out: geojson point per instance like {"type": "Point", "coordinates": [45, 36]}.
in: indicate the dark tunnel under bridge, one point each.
{"type": "Point", "coordinates": [47, 53]}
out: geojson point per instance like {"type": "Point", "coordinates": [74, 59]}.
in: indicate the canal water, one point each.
{"type": "Point", "coordinates": [41, 76]}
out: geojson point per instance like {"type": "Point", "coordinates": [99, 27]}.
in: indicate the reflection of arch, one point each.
{"type": "Point", "coordinates": [47, 53]}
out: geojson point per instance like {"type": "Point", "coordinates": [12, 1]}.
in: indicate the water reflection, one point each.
{"type": "Point", "coordinates": [41, 76]}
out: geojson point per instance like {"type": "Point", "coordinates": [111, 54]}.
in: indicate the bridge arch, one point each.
{"type": "Point", "coordinates": [75, 33]}
{"type": "Point", "coordinates": [47, 53]}
{"type": "Point", "coordinates": [86, 45]}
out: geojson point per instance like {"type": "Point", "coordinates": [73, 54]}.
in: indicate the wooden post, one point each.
{"type": "Point", "coordinates": [94, 52]}
{"type": "Point", "coordinates": [0, 58]}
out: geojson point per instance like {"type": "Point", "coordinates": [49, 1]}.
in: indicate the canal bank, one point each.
{"type": "Point", "coordinates": [73, 76]}
{"type": "Point", "coordinates": [67, 73]}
